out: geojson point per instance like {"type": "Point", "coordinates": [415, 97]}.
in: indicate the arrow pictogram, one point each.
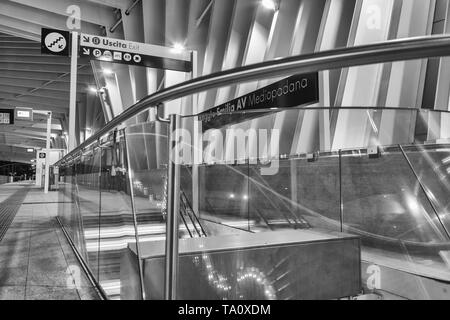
{"type": "Point", "coordinates": [56, 42]}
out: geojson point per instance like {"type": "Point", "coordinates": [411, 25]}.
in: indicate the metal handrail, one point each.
{"type": "Point", "coordinates": [389, 51]}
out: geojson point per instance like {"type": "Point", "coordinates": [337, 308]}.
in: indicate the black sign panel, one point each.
{"type": "Point", "coordinates": [42, 155]}
{"type": "Point", "coordinates": [55, 42]}
{"type": "Point", "coordinates": [135, 59]}
{"type": "Point", "coordinates": [6, 116]}
{"type": "Point", "coordinates": [294, 91]}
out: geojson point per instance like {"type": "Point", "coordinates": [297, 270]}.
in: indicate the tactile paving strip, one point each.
{"type": "Point", "coordinates": [9, 208]}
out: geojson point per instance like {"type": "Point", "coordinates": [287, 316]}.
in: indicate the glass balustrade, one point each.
{"type": "Point", "coordinates": [250, 183]}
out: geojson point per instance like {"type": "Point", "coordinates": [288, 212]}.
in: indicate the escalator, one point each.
{"type": "Point", "coordinates": [190, 220]}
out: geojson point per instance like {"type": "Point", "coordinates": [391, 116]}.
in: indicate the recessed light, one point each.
{"type": "Point", "coordinates": [107, 72]}
{"type": "Point", "coordinates": [93, 89]}
{"type": "Point", "coordinates": [178, 48]}
{"type": "Point", "coordinates": [270, 4]}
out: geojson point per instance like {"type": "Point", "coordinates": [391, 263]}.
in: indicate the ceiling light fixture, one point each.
{"type": "Point", "coordinates": [178, 48]}
{"type": "Point", "coordinates": [270, 4]}
{"type": "Point", "coordinates": [107, 72]}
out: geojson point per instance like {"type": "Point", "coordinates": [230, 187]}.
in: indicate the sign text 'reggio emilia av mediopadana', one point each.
{"type": "Point", "coordinates": [294, 91]}
{"type": "Point", "coordinates": [133, 53]}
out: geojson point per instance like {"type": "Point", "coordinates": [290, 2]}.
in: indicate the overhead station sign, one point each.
{"type": "Point", "coordinates": [6, 116]}
{"type": "Point", "coordinates": [297, 90]}
{"type": "Point", "coordinates": [133, 53]}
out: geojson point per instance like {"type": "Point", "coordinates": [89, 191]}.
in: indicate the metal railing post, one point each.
{"type": "Point", "coordinates": [173, 207]}
{"type": "Point", "coordinates": [341, 196]}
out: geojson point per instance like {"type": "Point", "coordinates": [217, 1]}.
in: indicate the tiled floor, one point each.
{"type": "Point", "coordinates": [36, 261]}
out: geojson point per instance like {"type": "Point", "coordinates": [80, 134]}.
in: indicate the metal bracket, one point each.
{"type": "Point", "coordinates": [158, 117]}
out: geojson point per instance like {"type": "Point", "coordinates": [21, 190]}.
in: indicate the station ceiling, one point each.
{"type": "Point", "coordinates": [225, 33]}
{"type": "Point", "coordinates": [30, 79]}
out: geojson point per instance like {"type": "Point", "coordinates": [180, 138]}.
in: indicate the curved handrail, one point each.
{"type": "Point", "coordinates": [388, 51]}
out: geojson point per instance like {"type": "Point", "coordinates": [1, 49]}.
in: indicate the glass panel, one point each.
{"type": "Point", "coordinates": [235, 222]}
{"type": "Point", "coordinates": [223, 198]}
{"type": "Point", "coordinates": [147, 145]}
{"type": "Point", "coordinates": [384, 204]}
{"type": "Point", "coordinates": [431, 163]}
{"type": "Point", "coordinates": [432, 126]}
{"type": "Point", "coordinates": [65, 198]}
{"type": "Point", "coordinates": [70, 205]}
{"type": "Point", "coordinates": [89, 203]}
{"type": "Point", "coordinates": [300, 194]}
{"type": "Point", "coordinates": [250, 198]}
{"type": "Point", "coordinates": [116, 216]}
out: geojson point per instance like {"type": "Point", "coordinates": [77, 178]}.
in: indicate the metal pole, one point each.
{"type": "Point", "coordinates": [73, 91]}
{"type": "Point", "coordinates": [173, 207]}
{"type": "Point", "coordinates": [341, 196]}
{"type": "Point", "coordinates": [197, 143]}
{"type": "Point", "coordinates": [47, 152]}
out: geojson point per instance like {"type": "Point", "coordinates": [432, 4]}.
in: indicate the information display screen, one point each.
{"type": "Point", "coordinates": [6, 116]}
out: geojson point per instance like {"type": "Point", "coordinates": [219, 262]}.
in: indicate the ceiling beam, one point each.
{"type": "Point", "coordinates": [119, 4]}
{"type": "Point", "coordinates": [90, 12]}
{"type": "Point", "coordinates": [36, 19]}
{"type": "Point", "coordinates": [41, 68]}
{"type": "Point", "coordinates": [31, 84]}
{"type": "Point", "coordinates": [41, 59]}
{"type": "Point", "coordinates": [23, 26]}
{"type": "Point", "coordinates": [15, 149]}
{"type": "Point", "coordinates": [32, 52]}
{"type": "Point", "coordinates": [45, 76]}
{"type": "Point", "coordinates": [19, 33]}
{"type": "Point", "coordinates": [20, 91]}
{"type": "Point", "coordinates": [6, 36]}
{"type": "Point", "coordinates": [23, 155]}
{"type": "Point", "coordinates": [27, 145]}
{"type": "Point", "coordinates": [15, 158]}
{"type": "Point", "coordinates": [38, 132]}
{"type": "Point", "coordinates": [35, 99]}
{"type": "Point", "coordinates": [28, 135]}
{"type": "Point", "coordinates": [36, 106]}
{"type": "Point", "coordinates": [58, 113]}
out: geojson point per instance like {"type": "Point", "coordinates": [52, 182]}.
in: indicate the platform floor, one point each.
{"type": "Point", "coordinates": [36, 260]}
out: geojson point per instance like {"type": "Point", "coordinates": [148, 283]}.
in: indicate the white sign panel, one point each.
{"type": "Point", "coordinates": [134, 53]}
{"type": "Point", "coordinates": [24, 114]}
